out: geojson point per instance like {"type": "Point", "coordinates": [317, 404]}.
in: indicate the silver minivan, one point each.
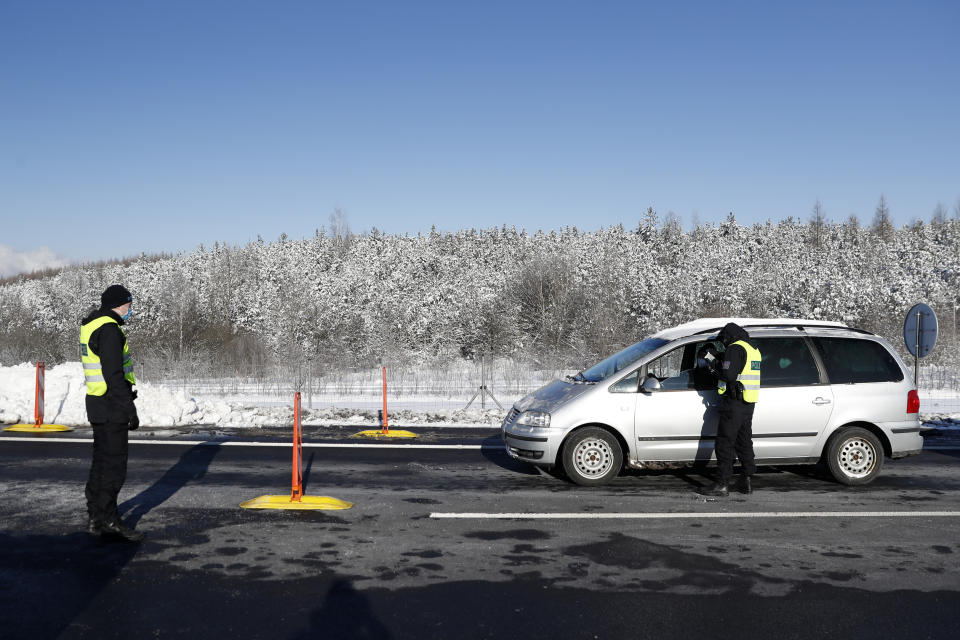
{"type": "Point", "coordinates": [830, 393]}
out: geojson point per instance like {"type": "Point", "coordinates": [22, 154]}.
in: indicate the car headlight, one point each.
{"type": "Point", "coordinates": [534, 419]}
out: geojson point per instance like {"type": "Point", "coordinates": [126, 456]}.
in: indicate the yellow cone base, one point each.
{"type": "Point", "coordinates": [306, 503]}
{"type": "Point", "coordinates": [377, 433]}
{"type": "Point", "coordinates": [44, 428]}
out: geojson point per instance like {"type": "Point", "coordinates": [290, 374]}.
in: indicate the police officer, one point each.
{"type": "Point", "coordinates": [108, 373]}
{"type": "Point", "coordinates": [739, 389]}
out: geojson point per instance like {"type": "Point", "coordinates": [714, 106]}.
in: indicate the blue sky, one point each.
{"type": "Point", "coordinates": [156, 126]}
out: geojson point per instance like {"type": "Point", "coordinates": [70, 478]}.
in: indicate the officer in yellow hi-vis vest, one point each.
{"type": "Point", "coordinates": [109, 376]}
{"type": "Point", "coordinates": [739, 389]}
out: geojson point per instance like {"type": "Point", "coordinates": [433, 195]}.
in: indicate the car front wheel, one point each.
{"type": "Point", "coordinates": [854, 456]}
{"type": "Point", "coordinates": [592, 456]}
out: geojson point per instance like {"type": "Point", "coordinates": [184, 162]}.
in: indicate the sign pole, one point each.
{"type": "Point", "coordinates": [916, 357]}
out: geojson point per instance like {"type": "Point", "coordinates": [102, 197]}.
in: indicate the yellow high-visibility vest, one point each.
{"type": "Point", "coordinates": [92, 368]}
{"type": "Point", "coordinates": [749, 377]}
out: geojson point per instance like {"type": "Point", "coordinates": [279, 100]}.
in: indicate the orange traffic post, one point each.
{"type": "Point", "coordinates": [297, 482]}
{"type": "Point", "coordinates": [38, 426]}
{"type": "Point", "coordinates": [296, 500]}
{"type": "Point", "coordinates": [384, 431]}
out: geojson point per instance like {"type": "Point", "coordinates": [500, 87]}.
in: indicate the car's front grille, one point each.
{"type": "Point", "coordinates": [511, 416]}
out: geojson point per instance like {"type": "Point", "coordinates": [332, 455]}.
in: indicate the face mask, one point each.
{"type": "Point", "coordinates": [127, 315]}
{"type": "Point", "coordinates": [701, 363]}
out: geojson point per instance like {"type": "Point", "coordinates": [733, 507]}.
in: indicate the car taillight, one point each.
{"type": "Point", "coordinates": [913, 401]}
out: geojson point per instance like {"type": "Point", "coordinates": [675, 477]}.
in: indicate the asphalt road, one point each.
{"type": "Point", "coordinates": [405, 562]}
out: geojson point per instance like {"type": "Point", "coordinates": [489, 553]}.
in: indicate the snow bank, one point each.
{"type": "Point", "coordinates": [159, 405]}
{"type": "Point", "coordinates": [65, 399]}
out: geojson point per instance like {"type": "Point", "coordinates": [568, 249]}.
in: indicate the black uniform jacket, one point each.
{"type": "Point", "coordinates": [735, 356]}
{"type": "Point", "coordinates": [116, 405]}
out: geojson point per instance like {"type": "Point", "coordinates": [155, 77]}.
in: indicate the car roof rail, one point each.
{"type": "Point", "coordinates": [801, 326]}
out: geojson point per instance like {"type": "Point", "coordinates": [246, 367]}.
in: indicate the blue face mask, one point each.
{"type": "Point", "coordinates": [127, 315]}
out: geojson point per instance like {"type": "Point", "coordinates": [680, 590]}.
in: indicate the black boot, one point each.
{"type": "Point", "coordinates": [116, 530]}
{"type": "Point", "coordinates": [719, 489]}
{"type": "Point", "coordinates": [743, 485]}
{"type": "Point", "coordinates": [94, 526]}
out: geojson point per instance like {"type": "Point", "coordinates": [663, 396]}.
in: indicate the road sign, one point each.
{"type": "Point", "coordinates": [920, 330]}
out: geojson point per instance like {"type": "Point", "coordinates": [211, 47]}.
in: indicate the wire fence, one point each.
{"type": "Point", "coordinates": [448, 387]}
{"type": "Point", "coordinates": [451, 387]}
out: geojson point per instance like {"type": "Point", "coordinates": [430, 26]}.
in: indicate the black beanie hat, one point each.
{"type": "Point", "coordinates": [115, 296]}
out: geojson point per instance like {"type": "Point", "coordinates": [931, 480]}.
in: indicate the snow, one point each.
{"type": "Point", "coordinates": [163, 405]}
{"type": "Point", "coordinates": [170, 405]}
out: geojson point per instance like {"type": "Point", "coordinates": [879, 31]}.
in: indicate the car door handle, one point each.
{"type": "Point", "coordinates": [819, 401]}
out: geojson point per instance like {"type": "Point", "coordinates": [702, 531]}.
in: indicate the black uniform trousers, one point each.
{"type": "Point", "coordinates": [108, 470]}
{"type": "Point", "coordinates": [734, 437]}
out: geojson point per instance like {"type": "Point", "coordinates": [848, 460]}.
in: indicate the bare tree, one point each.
{"type": "Point", "coordinates": [817, 224]}
{"type": "Point", "coordinates": [339, 227]}
{"type": "Point", "coordinates": [882, 222]}
{"type": "Point", "coordinates": [939, 215]}
{"type": "Point", "coordinates": [672, 227]}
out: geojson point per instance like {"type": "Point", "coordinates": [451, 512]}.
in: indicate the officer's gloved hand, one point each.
{"type": "Point", "coordinates": [134, 394]}
{"type": "Point", "coordinates": [134, 423]}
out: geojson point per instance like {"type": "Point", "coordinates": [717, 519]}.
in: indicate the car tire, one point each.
{"type": "Point", "coordinates": [854, 456]}
{"type": "Point", "coordinates": [592, 456]}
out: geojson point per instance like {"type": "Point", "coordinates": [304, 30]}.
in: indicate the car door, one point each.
{"type": "Point", "coordinates": [677, 421]}
{"type": "Point", "coordinates": [795, 402]}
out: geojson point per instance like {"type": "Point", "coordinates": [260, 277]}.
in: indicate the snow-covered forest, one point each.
{"type": "Point", "coordinates": [553, 299]}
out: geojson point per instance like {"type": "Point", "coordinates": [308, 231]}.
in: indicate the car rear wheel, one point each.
{"type": "Point", "coordinates": [592, 456]}
{"type": "Point", "coordinates": [854, 456]}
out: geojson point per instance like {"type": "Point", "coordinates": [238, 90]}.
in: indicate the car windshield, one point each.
{"type": "Point", "coordinates": [618, 361]}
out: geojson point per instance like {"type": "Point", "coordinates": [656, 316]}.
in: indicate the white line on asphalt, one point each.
{"type": "Point", "coordinates": [694, 515]}
{"type": "Point", "coordinates": [231, 443]}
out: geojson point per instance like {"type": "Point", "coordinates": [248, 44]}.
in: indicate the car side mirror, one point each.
{"type": "Point", "coordinates": [650, 385]}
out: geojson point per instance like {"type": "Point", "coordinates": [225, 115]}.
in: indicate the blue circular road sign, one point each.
{"type": "Point", "coordinates": [920, 330]}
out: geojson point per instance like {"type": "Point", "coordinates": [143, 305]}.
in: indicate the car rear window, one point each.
{"type": "Point", "coordinates": [853, 360]}
{"type": "Point", "coordinates": [786, 362]}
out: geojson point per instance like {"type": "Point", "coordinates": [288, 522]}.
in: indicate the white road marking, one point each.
{"type": "Point", "coordinates": [696, 515]}
{"type": "Point", "coordinates": [306, 445]}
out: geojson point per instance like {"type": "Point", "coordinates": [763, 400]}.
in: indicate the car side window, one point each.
{"type": "Point", "coordinates": [630, 384]}
{"type": "Point", "coordinates": [703, 379]}
{"type": "Point", "coordinates": [668, 370]}
{"type": "Point", "coordinates": [852, 360]}
{"type": "Point", "coordinates": [786, 362]}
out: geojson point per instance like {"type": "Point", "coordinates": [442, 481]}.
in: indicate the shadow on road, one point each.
{"type": "Point", "coordinates": [953, 453]}
{"type": "Point", "coordinates": [345, 613]}
{"type": "Point", "coordinates": [306, 472]}
{"type": "Point", "coordinates": [492, 449]}
{"type": "Point", "coordinates": [50, 580]}
{"type": "Point", "coordinates": [192, 465]}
